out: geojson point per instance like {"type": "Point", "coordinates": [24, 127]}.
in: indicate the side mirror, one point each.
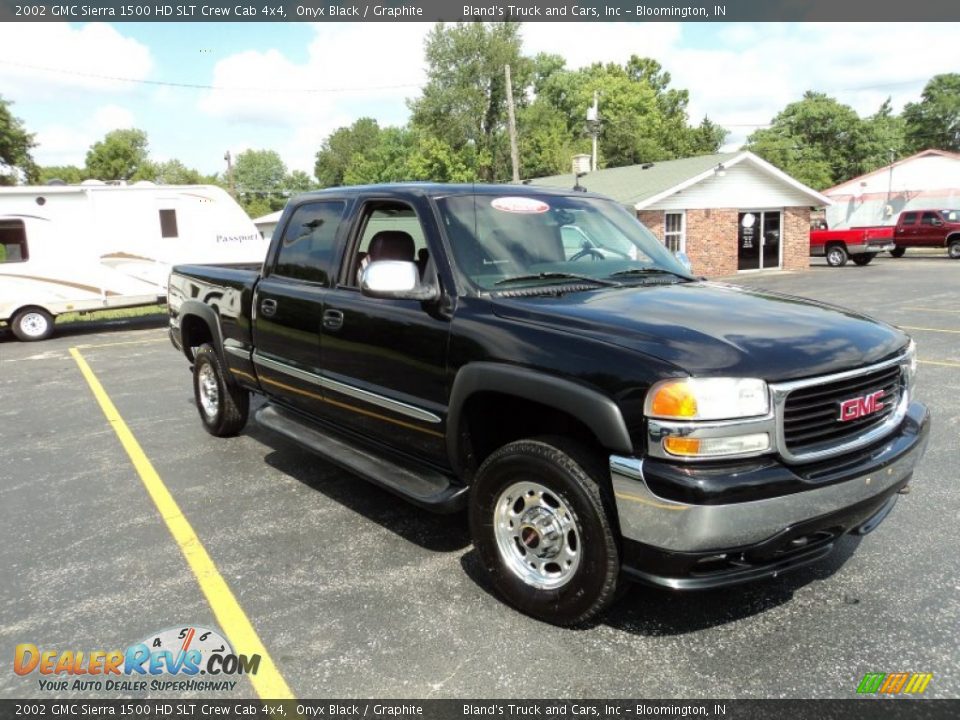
{"type": "Point", "coordinates": [395, 279]}
{"type": "Point", "coordinates": [684, 260]}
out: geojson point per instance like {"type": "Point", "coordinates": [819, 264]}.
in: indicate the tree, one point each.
{"type": "Point", "coordinates": [70, 174]}
{"type": "Point", "coordinates": [463, 105]}
{"type": "Point", "coordinates": [340, 148]}
{"type": "Point", "coordinates": [934, 122]}
{"type": "Point", "coordinates": [297, 182]}
{"type": "Point", "coordinates": [260, 174]}
{"type": "Point", "coordinates": [16, 162]}
{"type": "Point", "coordinates": [817, 140]}
{"type": "Point", "coordinates": [121, 155]}
{"type": "Point", "coordinates": [174, 172]}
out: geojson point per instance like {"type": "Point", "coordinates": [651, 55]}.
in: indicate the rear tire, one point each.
{"type": "Point", "coordinates": [32, 324]}
{"type": "Point", "coordinates": [223, 406]}
{"type": "Point", "coordinates": [898, 252]}
{"type": "Point", "coordinates": [863, 258]}
{"type": "Point", "coordinates": [953, 250]}
{"type": "Point", "coordinates": [836, 256]}
{"type": "Point", "coordinates": [541, 518]}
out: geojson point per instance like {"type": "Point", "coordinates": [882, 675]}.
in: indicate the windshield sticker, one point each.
{"type": "Point", "coordinates": [522, 205]}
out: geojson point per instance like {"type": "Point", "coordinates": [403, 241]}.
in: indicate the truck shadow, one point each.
{"type": "Point", "coordinates": [92, 327]}
{"type": "Point", "coordinates": [658, 612]}
{"type": "Point", "coordinates": [436, 533]}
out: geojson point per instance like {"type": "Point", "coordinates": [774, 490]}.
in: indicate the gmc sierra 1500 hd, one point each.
{"type": "Point", "coordinates": [600, 412]}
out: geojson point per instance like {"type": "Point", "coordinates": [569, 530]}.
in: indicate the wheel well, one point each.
{"type": "Point", "coordinates": [490, 420]}
{"type": "Point", "coordinates": [194, 331]}
{"type": "Point", "coordinates": [953, 238]}
{"type": "Point", "coordinates": [836, 243]}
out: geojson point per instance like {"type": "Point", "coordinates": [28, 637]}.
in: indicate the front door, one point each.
{"type": "Point", "coordinates": [758, 239]}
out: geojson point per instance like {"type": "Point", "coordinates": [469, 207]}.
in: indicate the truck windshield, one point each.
{"type": "Point", "coordinates": [516, 240]}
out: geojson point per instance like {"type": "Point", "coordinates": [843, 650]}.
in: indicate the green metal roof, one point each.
{"type": "Point", "coordinates": [632, 183]}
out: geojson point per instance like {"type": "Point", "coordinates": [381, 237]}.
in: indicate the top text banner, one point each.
{"type": "Point", "coordinates": [864, 11]}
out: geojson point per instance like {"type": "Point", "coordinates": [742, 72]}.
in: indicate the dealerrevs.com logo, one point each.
{"type": "Point", "coordinates": [183, 653]}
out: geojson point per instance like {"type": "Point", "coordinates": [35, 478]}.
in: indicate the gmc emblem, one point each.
{"type": "Point", "coordinates": [862, 406]}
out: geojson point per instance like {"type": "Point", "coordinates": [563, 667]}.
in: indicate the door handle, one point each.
{"type": "Point", "coordinates": [332, 319]}
{"type": "Point", "coordinates": [268, 307]}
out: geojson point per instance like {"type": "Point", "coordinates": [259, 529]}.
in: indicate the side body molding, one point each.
{"type": "Point", "coordinates": [595, 410]}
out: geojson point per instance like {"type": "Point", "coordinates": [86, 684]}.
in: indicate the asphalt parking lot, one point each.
{"type": "Point", "coordinates": [355, 594]}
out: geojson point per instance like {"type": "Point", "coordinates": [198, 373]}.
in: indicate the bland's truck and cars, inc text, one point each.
{"type": "Point", "coordinates": [538, 358]}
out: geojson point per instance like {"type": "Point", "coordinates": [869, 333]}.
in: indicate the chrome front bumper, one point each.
{"type": "Point", "coordinates": [681, 527]}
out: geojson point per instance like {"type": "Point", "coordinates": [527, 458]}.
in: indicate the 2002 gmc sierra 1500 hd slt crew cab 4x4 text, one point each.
{"type": "Point", "coordinates": [539, 358]}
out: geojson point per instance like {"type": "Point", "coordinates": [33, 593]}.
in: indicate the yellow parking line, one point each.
{"type": "Point", "coordinates": [939, 362]}
{"type": "Point", "coordinates": [925, 329]}
{"type": "Point", "coordinates": [268, 682]}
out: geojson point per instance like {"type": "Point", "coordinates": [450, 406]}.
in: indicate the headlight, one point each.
{"type": "Point", "coordinates": [910, 364]}
{"type": "Point", "coordinates": [707, 399]}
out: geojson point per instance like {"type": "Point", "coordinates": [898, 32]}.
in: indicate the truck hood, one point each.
{"type": "Point", "coordinates": [711, 329]}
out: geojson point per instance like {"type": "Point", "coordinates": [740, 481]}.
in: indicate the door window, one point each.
{"type": "Point", "coordinates": [930, 218]}
{"type": "Point", "coordinates": [306, 250]}
{"type": "Point", "coordinates": [758, 239]}
{"type": "Point", "coordinates": [909, 218]}
{"type": "Point", "coordinates": [391, 231]}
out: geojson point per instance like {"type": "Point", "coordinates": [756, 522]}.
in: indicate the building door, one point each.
{"type": "Point", "coordinates": [758, 239]}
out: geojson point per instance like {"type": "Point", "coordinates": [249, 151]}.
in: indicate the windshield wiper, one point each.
{"type": "Point", "coordinates": [562, 276]}
{"type": "Point", "coordinates": [649, 271]}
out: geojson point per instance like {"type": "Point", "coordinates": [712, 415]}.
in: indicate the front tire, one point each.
{"type": "Point", "coordinates": [898, 252]}
{"type": "Point", "coordinates": [541, 521]}
{"type": "Point", "coordinates": [223, 406]}
{"type": "Point", "coordinates": [32, 324]}
{"type": "Point", "coordinates": [953, 250]}
{"type": "Point", "coordinates": [863, 258]}
{"type": "Point", "coordinates": [836, 256]}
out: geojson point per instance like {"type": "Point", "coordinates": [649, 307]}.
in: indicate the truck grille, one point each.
{"type": "Point", "coordinates": [811, 415]}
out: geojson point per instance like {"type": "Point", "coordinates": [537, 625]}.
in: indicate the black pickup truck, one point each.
{"type": "Point", "coordinates": [540, 359]}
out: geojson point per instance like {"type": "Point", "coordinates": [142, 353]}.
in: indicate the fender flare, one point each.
{"type": "Point", "coordinates": [595, 410]}
{"type": "Point", "coordinates": [209, 316]}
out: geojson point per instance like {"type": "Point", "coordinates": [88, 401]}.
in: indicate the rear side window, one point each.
{"type": "Point", "coordinates": [13, 241]}
{"type": "Point", "coordinates": [929, 218]}
{"type": "Point", "coordinates": [307, 247]}
{"type": "Point", "coordinates": [168, 224]}
{"type": "Point", "coordinates": [909, 218]}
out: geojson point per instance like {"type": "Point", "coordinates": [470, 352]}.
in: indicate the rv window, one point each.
{"type": "Point", "coordinates": [308, 242]}
{"type": "Point", "coordinates": [13, 241]}
{"type": "Point", "coordinates": [168, 224]}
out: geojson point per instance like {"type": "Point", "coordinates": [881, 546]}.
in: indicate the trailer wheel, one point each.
{"type": "Point", "coordinates": [32, 323]}
{"type": "Point", "coordinates": [223, 406]}
{"type": "Point", "coordinates": [898, 252]}
{"type": "Point", "coordinates": [863, 258]}
{"type": "Point", "coordinates": [953, 250]}
{"type": "Point", "coordinates": [836, 256]}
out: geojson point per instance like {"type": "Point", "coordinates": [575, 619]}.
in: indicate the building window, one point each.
{"type": "Point", "coordinates": [168, 224]}
{"type": "Point", "coordinates": [13, 241]}
{"type": "Point", "coordinates": [674, 232]}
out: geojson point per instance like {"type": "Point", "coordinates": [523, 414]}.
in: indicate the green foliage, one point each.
{"type": "Point", "coordinates": [174, 172]}
{"type": "Point", "coordinates": [259, 177]}
{"type": "Point", "coordinates": [341, 147]}
{"type": "Point", "coordinates": [297, 182]}
{"type": "Point", "coordinates": [934, 122]}
{"type": "Point", "coordinates": [121, 155]}
{"type": "Point", "coordinates": [822, 142]}
{"type": "Point", "coordinates": [16, 162]}
{"type": "Point", "coordinates": [70, 174]}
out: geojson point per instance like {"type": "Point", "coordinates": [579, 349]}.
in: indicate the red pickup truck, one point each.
{"type": "Point", "coordinates": [860, 244]}
{"type": "Point", "coordinates": [928, 229]}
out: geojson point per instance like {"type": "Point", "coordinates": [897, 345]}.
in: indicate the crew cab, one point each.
{"type": "Point", "coordinates": [928, 229]}
{"type": "Point", "coordinates": [858, 244]}
{"type": "Point", "coordinates": [599, 412]}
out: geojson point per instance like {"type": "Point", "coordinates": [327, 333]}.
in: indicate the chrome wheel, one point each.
{"type": "Point", "coordinates": [209, 390]}
{"type": "Point", "coordinates": [34, 324]}
{"type": "Point", "coordinates": [537, 535]}
{"type": "Point", "coordinates": [836, 257]}
{"type": "Point", "coordinates": [954, 250]}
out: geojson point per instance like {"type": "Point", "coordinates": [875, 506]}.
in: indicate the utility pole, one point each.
{"type": "Point", "coordinates": [229, 159]}
{"type": "Point", "coordinates": [593, 123]}
{"type": "Point", "coordinates": [514, 154]}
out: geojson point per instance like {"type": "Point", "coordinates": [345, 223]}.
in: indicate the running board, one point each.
{"type": "Point", "coordinates": [425, 488]}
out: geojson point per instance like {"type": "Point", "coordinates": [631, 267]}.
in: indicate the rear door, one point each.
{"type": "Point", "coordinates": [289, 301]}
{"type": "Point", "coordinates": [906, 233]}
{"type": "Point", "coordinates": [384, 360]}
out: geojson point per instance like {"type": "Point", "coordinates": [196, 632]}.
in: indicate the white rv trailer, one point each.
{"type": "Point", "coordinates": [95, 246]}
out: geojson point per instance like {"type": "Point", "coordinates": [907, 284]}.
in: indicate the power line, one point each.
{"type": "Point", "coordinates": [199, 86]}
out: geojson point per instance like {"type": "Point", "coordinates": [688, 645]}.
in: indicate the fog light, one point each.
{"type": "Point", "coordinates": [718, 446]}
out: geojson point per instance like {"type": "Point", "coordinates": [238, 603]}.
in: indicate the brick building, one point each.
{"type": "Point", "coordinates": [729, 212]}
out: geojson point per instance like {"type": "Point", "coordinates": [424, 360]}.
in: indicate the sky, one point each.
{"type": "Point", "coordinates": [286, 86]}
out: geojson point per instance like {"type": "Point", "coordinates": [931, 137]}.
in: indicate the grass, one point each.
{"type": "Point", "coordinates": [113, 314]}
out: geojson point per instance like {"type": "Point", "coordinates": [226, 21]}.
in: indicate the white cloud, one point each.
{"type": "Point", "coordinates": [583, 44]}
{"type": "Point", "coordinates": [67, 144]}
{"type": "Point", "coordinates": [40, 61]}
